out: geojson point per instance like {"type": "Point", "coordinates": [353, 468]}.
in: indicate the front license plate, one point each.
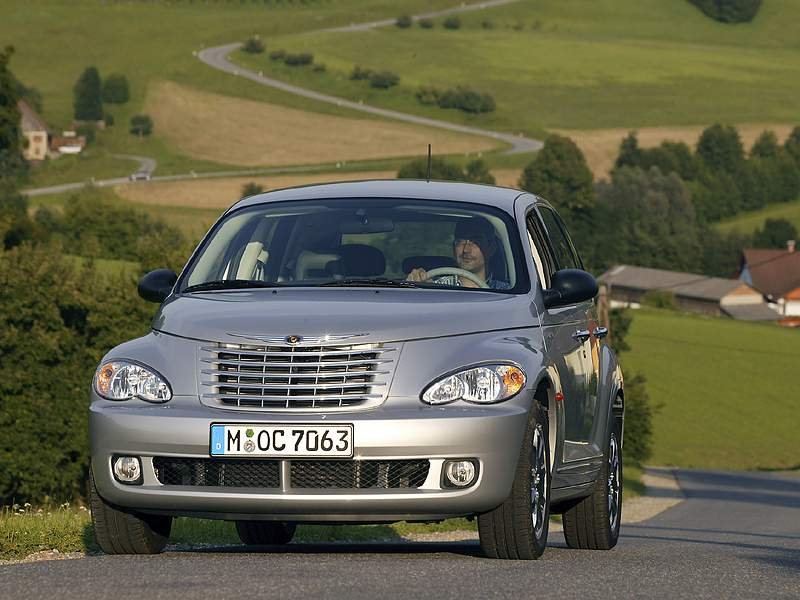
{"type": "Point", "coordinates": [282, 440]}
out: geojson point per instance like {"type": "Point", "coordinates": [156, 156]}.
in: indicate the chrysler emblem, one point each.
{"type": "Point", "coordinates": [293, 339]}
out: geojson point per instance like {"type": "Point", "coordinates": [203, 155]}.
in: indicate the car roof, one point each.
{"type": "Point", "coordinates": [500, 197]}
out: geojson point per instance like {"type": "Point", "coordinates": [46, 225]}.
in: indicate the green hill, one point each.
{"type": "Point", "coordinates": [750, 221]}
{"type": "Point", "coordinates": [579, 64]}
{"type": "Point", "coordinates": [727, 390]}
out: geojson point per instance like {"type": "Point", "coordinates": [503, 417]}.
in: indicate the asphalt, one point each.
{"type": "Point", "coordinates": [737, 535]}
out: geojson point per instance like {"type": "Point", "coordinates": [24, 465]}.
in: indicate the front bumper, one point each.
{"type": "Point", "coordinates": [491, 434]}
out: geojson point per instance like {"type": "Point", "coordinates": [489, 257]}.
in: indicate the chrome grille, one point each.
{"type": "Point", "coordinates": [287, 376]}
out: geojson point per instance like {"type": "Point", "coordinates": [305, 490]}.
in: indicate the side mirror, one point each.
{"type": "Point", "coordinates": [156, 285]}
{"type": "Point", "coordinates": [570, 286]}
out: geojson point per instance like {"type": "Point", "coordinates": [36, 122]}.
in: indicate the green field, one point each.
{"type": "Point", "coordinates": [750, 221]}
{"type": "Point", "coordinates": [579, 64]}
{"type": "Point", "coordinates": [727, 390]}
{"type": "Point", "coordinates": [150, 41]}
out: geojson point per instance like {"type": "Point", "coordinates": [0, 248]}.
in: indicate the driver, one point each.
{"type": "Point", "coordinates": [473, 246]}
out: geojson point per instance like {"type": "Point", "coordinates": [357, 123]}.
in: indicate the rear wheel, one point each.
{"type": "Point", "coordinates": [517, 529]}
{"type": "Point", "coordinates": [121, 532]}
{"type": "Point", "coordinates": [593, 523]}
{"type": "Point", "coordinates": [264, 533]}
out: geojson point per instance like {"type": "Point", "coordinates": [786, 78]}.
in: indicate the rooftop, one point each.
{"type": "Point", "coordinates": [772, 272]}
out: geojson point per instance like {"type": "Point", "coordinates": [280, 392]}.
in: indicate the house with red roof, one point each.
{"type": "Point", "coordinates": [776, 274]}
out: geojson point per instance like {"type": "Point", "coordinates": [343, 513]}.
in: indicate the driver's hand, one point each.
{"type": "Point", "coordinates": [417, 275]}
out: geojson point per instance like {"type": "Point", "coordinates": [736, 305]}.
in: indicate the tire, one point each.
{"type": "Point", "coordinates": [517, 529]}
{"type": "Point", "coordinates": [593, 522]}
{"type": "Point", "coordinates": [265, 533]}
{"type": "Point", "coordinates": [121, 532]}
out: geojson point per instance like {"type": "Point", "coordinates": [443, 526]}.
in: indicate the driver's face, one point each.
{"type": "Point", "coordinates": [468, 255]}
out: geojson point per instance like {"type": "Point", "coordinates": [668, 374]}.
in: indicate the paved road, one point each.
{"type": "Point", "coordinates": [736, 536]}
{"type": "Point", "coordinates": [217, 57]}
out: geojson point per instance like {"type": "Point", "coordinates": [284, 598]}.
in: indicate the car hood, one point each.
{"type": "Point", "coordinates": [375, 315]}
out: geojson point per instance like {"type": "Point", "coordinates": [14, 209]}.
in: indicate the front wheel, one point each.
{"type": "Point", "coordinates": [593, 522]}
{"type": "Point", "coordinates": [517, 529]}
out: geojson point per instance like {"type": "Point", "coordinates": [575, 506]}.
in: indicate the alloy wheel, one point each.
{"type": "Point", "coordinates": [538, 481]}
{"type": "Point", "coordinates": [613, 482]}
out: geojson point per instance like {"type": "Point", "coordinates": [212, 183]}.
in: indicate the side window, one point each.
{"type": "Point", "coordinates": [545, 266]}
{"type": "Point", "coordinates": [564, 251]}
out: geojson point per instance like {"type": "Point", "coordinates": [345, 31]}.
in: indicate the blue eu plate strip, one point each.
{"type": "Point", "coordinates": [217, 439]}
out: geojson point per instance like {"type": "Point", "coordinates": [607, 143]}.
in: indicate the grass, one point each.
{"type": "Point", "coordinates": [155, 41]}
{"type": "Point", "coordinates": [748, 222]}
{"type": "Point", "coordinates": [580, 65]}
{"type": "Point", "coordinates": [726, 390]}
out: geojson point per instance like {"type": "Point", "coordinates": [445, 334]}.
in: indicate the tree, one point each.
{"type": "Point", "coordinates": [440, 170]}
{"type": "Point", "coordinates": [645, 218]}
{"type": "Point", "coordinates": [15, 225]}
{"type": "Point", "coordinates": [404, 22]}
{"type": "Point", "coordinates": [720, 148]}
{"type": "Point", "coordinates": [12, 163]}
{"type": "Point", "coordinates": [774, 234]}
{"type": "Point", "coordinates": [721, 253]}
{"type": "Point", "coordinates": [141, 125]}
{"type": "Point", "coordinates": [629, 153]}
{"type": "Point", "coordinates": [559, 173]}
{"type": "Point", "coordinates": [792, 144]}
{"type": "Point", "coordinates": [115, 89]}
{"type": "Point", "coordinates": [253, 45]}
{"type": "Point", "coordinates": [383, 79]}
{"type": "Point", "coordinates": [88, 97]}
{"type": "Point", "coordinates": [251, 189]}
{"type": "Point", "coordinates": [478, 172]}
{"type": "Point", "coordinates": [766, 146]}
{"type": "Point", "coordinates": [729, 11]}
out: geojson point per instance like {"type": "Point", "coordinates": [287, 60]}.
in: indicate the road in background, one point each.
{"type": "Point", "coordinates": [737, 535]}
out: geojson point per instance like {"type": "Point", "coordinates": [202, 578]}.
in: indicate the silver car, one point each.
{"type": "Point", "coordinates": [366, 352]}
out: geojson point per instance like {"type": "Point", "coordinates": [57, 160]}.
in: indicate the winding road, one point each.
{"type": "Point", "coordinates": [737, 535]}
{"type": "Point", "coordinates": [217, 57]}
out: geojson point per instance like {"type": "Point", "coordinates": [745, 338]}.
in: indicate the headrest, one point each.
{"type": "Point", "coordinates": [427, 262]}
{"type": "Point", "coordinates": [360, 260]}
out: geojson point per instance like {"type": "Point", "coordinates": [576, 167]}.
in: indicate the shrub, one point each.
{"type": "Point", "coordinates": [426, 23]}
{"type": "Point", "coordinates": [478, 172]}
{"type": "Point", "coordinates": [88, 101]}
{"type": "Point", "coordinates": [427, 95]}
{"type": "Point", "coordinates": [141, 125]}
{"type": "Point", "coordinates": [729, 11]}
{"type": "Point", "coordinates": [108, 119]}
{"type": "Point", "coordinates": [115, 89]}
{"type": "Point", "coordinates": [466, 99]}
{"type": "Point", "coordinates": [298, 60]}
{"type": "Point", "coordinates": [638, 419]}
{"type": "Point", "coordinates": [251, 189]}
{"type": "Point", "coordinates": [253, 45]}
{"type": "Point", "coordinates": [660, 299]}
{"type": "Point", "coordinates": [319, 68]}
{"type": "Point", "coordinates": [404, 22]}
{"type": "Point", "coordinates": [277, 54]}
{"type": "Point", "coordinates": [87, 130]}
{"type": "Point", "coordinates": [487, 24]}
{"type": "Point", "coordinates": [358, 73]}
{"type": "Point", "coordinates": [383, 79]}
{"type": "Point", "coordinates": [440, 169]}
{"type": "Point", "coordinates": [451, 23]}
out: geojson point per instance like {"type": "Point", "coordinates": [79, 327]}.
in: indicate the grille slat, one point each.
{"type": "Point", "coordinates": [294, 377]}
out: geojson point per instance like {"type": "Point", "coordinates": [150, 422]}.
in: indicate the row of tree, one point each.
{"type": "Point", "coordinates": [90, 92]}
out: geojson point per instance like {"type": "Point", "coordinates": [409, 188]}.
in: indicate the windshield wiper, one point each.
{"type": "Point", "coordinates": [229, 284]}
{"type": "Point", "coordinates": [372, 282]}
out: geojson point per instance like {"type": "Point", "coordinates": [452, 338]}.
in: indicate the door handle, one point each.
{"type": "Point", "coordinates": [600, 332]}
{"type": "Point", "coordinates": [581, 335]}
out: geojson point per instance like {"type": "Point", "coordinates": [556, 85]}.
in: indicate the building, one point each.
{"type": "Point", "coordinates": [35, 131]}
{"type": "Point", "coordinates": [68, 143]}
{"type": "Point", "coordinates": [627, 286]}
{"type": "Point", "coordinates": [776, 274]}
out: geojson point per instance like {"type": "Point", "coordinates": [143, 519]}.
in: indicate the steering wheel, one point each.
{"type": "Point", "coordinates": [460, 272]}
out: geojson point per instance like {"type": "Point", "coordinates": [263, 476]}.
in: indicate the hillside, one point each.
{"type": "Point", "coordinates": [727, 390]}
{"type": "Point", "coordinates": [750, 221]}
{"type": "Point", "coordinates": [583, 64]}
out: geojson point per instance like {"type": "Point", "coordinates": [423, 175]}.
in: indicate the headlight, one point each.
{"type": "Point", "coordinates": [122, 380]}
{"type": "Point", "coordinates": [484, 385]}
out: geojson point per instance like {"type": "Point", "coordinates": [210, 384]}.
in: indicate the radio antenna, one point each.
{"type": "Point", "coordinates": [429, 163]}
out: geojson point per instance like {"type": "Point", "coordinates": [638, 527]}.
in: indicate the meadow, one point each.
{"type": "Point", "coordinates": [725, 388]}
{"type": "Point", "coordinates": [584, 64]}
{"type": "Point", "coordinates": [748, 222]}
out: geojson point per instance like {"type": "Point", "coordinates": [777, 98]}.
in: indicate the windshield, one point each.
{"type": "Point", "coordinates": [361, 242]}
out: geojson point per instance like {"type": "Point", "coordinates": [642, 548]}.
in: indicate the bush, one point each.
{"type": "Point", "coordinates": [466, 99]}
{"type": "Point", "coordinates": [729, 11]}
{"type": "Point", "coordinates": [108, 119]}
{"type": "Point", "coordinates": [660, 299]}
{"type": "Point", "coordinates": [440, 170]}
{"type": "Point", "coordinates": [141, 125]}
{"type": "Point", "coordinates": [298, 60]}
{"type": "Point", "coordinates": [404, 22]}
{"type": "Point", "coordinates": [427, 95]}
{"type": "Point", "coordinates": [638, 419]}
{"type": "Point", "coordinates": [115, 89]}
{"type": "Point", "coordinates": [253, 45]}
{"type": "Point", "coordinates": [451, 23]}
{"type": "Point", "coordinates": [487, 24]}
{"type": "Point", "coordinates": [277, 54]}
{"type": "Point", "coordinates": [251, 189]}
{"type": "Point", "coordinates": [477, 171]}
{"type": "Point", "coordinates": [358, 73]}
{"type": "Point", "coordinates": [426, 23]}
{"type": "Point", "coordinates": [319, 68]}
{"type": "Point", "coordinates": [383, 79]}
{"type": "Point", "coordinates": [87, 130]}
